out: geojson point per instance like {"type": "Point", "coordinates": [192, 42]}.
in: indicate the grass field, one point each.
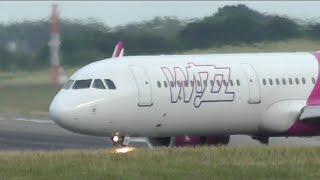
{"type": "Point", "coordinates": [27, 100]}
{"type": "Point", "coordinates": [20, 91]}
{"type": "Point", "coordinates": [171, 163]}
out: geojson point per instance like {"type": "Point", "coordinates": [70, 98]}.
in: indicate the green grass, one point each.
{"type": "Point", "coordinates": [171, 163]}
{"type": "Point", "coordinates": [20, 91]}
{"type": "Point", "coordinates": [294, 45]}
{"type": "Point", "coordinates": [27, 100]}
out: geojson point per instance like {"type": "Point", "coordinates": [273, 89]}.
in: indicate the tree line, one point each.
{"type": "Point", "coordinates": [85, 41]}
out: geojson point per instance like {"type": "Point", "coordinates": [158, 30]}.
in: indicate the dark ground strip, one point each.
{"type": "Point", "coordinates": [24, 135]}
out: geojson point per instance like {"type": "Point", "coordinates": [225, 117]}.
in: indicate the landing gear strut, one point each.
{"type": "Point", "coordinates": [262, 139]}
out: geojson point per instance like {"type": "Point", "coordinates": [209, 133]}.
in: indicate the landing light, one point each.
{"type": "Point", "coordinates": [115, 139]}
{"type": "Point", "coordinates": [124, 150]}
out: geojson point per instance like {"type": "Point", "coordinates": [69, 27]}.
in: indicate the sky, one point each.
{"type": "Point", "coordinates": [116, 13]}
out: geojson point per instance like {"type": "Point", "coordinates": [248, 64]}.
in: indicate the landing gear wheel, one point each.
{"type": "Point", "coordinates": [117, 140]}
{"type": "Point", "coordinates": [202, 140]}
{"type": "Point", "coordinates": [225, 140]}
{"type": "Point", "coordinates": [218, 140]}
{"type": "Point", "coordinates": [262, 139]}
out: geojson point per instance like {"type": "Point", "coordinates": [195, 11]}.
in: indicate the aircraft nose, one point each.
{"type": "Point", "coordinates": [60, 113]}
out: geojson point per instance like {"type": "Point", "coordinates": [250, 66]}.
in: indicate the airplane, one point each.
{"type": "Point", "coordinates": [189, 100]}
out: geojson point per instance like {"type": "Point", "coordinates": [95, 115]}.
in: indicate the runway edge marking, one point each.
{"type": "Point", "coordinates": [28, 120]}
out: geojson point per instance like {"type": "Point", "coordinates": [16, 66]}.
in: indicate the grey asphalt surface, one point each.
{"type": "Point", "coordinates": [25, 132]}
{"type": "Point", "coordinates": [40, 133]}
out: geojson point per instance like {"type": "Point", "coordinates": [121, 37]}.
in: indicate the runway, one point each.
{"type": "Point", "coordinates": [24, 132]}
{"type": "Point", "coordinates": [40, 133]}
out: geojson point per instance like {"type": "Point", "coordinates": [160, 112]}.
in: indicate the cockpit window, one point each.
{"type": "Point", "coordinates": [110, 84]}
{"type": "Point", "coordinates": [82, 84]}
{"type": "Point", "coordinates": [98, 84]}
{"type": "Point", "coordinates": [68, 84]}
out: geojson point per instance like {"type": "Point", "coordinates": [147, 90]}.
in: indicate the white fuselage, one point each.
{"type": "Point", "coordinates": [215, 104]}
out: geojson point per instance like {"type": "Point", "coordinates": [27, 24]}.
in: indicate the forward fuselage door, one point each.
{"type": "Point", "coordinates": [253, 84]}
{"type": "Point", "coordinates": [143, 85]}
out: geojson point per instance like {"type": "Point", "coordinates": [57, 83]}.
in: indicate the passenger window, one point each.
{"type": "Point", "coordinates": [218, 82]}
{"type": "Point", "coordinates": [179, 84]}
{"type": "Point", "coordinates": [204, 82]}
{"type": "Point", "coordinates": [110, 84]}
{"type": "Point", "coordinates": [277, 81]}
{"type": "Point", "coordinates": [313, 80]}
{"type": "Point", "coordinates": [224, 82]}
{"type": "Point", "coordinates": [198, 83]}
{"type": "Point", "coordinates": [82, 84]}
{"type": "Point", "coordinates": [270, 82]}
{"type": "Point", "coordinates": [185, 83]}
{"type": "Point", "coordinates": [238, 82]}
{"type": "Point", "coordinates": [165, 84]}
{"type": "Point", "coordinates": [98, 84]}
{"type": "Point", "coordinates": [290, 81]}
{"type": "Point", "coordinates": [68, 84]}
{"type": "Point", "coordinates": [192, 83]}
{"type": "Point", "coordinates": [284, 82]}
{"type": "Point", "coordinates": [264, 81]}
{"type": "Point", "coordinates": [303, 81]}
{"type": "Point", "coordinates": [159, 84]}
{"type": "Point", "coordinates": [211, 82]}
{"type": "Point", "coordinates": [171, 83]}
{"type": "Point", "coordinates": [231, 82]}
{"type": "Point", "coordinates": [297, 81]}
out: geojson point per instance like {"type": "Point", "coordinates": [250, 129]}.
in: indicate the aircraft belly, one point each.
{"type": "Point", "coordinates": [220, 118]}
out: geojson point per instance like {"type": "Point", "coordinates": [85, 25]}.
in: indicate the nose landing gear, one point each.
{"type": "Point", "coordinates": [117, 139]}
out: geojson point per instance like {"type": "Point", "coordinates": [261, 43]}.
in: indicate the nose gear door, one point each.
{"type": "Point", "coordinates": [143, 85]}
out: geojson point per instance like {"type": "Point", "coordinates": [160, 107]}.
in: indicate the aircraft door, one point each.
{"type": "Point", "coordinates": [253, 84]}
{"type": "Point", "coordinates": [143, 84]}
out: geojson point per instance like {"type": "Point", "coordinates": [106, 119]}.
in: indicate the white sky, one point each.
{"type": "Point", "coordinates": [121, 12]}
